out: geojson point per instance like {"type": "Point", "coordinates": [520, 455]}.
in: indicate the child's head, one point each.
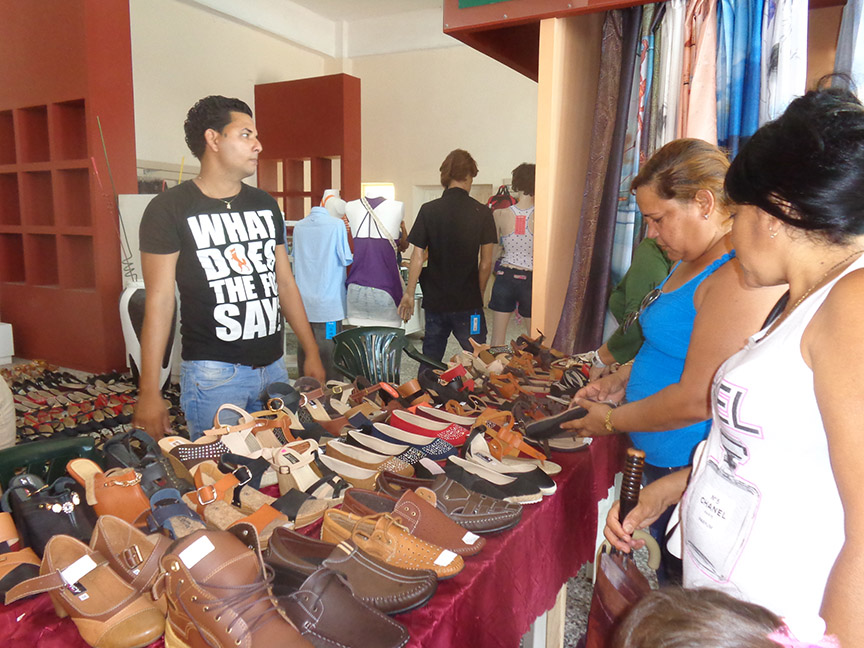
{"type": "Point", "coordinates": [696, 618]}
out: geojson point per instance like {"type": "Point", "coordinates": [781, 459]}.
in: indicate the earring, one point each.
{"type": "Point", "coordinates": [773, 233]}
{"type": "Point", "coordinates": [705, 216]}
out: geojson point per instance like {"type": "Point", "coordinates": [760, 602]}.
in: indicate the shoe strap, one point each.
{"type": "Point", "coordinates": [38, 585]}
{"type": "Point", "coordinates": [230, 483]}
{"type": "Point", "coordinates": [47, 583]}
{"type": "Point", "coordinates": [285, 462]}
{"type": "Point", "coordinates": [7, 528]}
{"type": "Point", "coordinates": [261, 518]}
{"type": "Point", "coordinates": [291, 502]}
{"type": "Point", "coordinates": [148, 568]}
{"type": "Point", "coordinates": [11, 559]}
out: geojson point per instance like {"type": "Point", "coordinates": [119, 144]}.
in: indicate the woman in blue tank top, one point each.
{"type": "Point", "coordinates": [700, 315]}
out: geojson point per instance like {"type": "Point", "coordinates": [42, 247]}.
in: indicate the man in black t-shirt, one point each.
{"type": "Point", "coordinates": [453, 229]}
{"type": "Point", "coordinates": [223, 243]}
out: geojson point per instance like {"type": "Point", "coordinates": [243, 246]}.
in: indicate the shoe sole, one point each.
{"type": "Point", "coordinates": [171, 638]}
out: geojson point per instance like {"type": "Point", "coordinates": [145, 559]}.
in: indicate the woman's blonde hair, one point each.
{"type": "Point", "coordinates": [684, 166]}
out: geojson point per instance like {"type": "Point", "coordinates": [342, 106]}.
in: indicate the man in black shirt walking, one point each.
{"type": "Point", "coordinates": [455, 230]}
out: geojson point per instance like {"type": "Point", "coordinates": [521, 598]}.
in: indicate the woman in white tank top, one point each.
{"type": "Point", "coordinates": [774, 512]}
{"type": "Point", "coordinates": [512, 289]}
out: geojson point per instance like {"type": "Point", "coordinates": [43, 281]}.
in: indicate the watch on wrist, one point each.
{"type": "Point", "coordinates": [597, 361]}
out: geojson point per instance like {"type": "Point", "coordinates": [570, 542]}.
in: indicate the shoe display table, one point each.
{"type": "Point", "coordinates": [517, 576]}
{"type": "Point", "coordinates": [492, 602]}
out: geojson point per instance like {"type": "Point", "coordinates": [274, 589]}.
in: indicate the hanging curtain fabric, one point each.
{"type": "Point", "coordinates": [850, 44]}
{"type": "Point", "coordinates": [697, 113]}
{"type": "Point", "coordinates": [725, 31]}
{"type": "Point", "coordinates": [628, 223]}
{"type": "Point", "coordinates": [581, 323]}
{"type": "Point", "coordinates": [784, 56]}
{"type": "Point", "coordinates": [740, 32]}
{"type": "Point", "coordinates": [671, 57]}
{"type": "Point", "coordinates": [649, 128]}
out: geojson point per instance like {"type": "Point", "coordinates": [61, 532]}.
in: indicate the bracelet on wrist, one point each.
{"type": "Point", "coordinates": [610, 428]}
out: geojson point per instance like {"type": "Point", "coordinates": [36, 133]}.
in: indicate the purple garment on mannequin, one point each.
{"type": "Point", "coordinates": [375, 262]}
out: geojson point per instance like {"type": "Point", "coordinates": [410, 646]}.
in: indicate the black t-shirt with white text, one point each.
{"type": "Point", "coordinates": [226, 271]}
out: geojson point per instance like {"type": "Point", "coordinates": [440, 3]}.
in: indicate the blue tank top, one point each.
{"type": "Point", "coordinates": [667, 325]}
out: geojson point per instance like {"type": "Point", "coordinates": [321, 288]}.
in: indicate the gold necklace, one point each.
{"type": "Point", "coordinates": [786, 313]}
{"type": "Point", "coordinates": [226, 201]}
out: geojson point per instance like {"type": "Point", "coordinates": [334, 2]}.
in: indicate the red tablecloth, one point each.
{"type": "Point", "coordinates": [491, 603]}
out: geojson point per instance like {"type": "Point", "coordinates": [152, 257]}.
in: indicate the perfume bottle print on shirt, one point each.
{"type": "Point", "coordinates": [722, 513]}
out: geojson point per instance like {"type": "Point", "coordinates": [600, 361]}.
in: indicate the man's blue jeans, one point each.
{"type": "Point", "coordinates": [207, 384]}
{"type": "Point", "coordinates": [439, 326]}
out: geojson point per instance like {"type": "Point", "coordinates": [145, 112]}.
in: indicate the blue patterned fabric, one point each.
{"type": "Point", "coordinates": [739, 71]}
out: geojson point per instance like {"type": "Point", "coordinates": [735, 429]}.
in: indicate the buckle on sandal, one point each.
{"type": "Point", "coordinates": [207, 491]}
{"type": "Point", "coordinates": [246, 475]}
{"type": "Point", "coordinates": [275, 404]}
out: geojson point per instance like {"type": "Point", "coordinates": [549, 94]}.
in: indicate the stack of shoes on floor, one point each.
{"type": "Point", "coordinates": [51, 404]}
{"type": "Point", "coordinates": [211, 542]}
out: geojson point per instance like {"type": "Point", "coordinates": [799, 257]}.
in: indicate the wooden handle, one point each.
{"type": "Point", "coordinates": [632, 482]}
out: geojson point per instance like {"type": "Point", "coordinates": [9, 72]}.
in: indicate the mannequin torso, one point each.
{"type": "Point", "coordinates": [389, 212]}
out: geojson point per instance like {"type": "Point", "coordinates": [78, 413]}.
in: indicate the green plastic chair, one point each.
{"type": "Point", "coordinates": [375, 352]}
{"type": "Point", "coordinates": [45, 459]}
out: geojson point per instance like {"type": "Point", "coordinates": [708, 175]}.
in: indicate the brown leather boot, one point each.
{"type": "Point", "coordinates": [218, 596]}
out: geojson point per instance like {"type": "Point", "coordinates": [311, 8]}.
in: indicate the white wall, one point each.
{"type": "Point", "coordinates": [182, 52]}
{"type": "Point", "coordinates": [416, 106]}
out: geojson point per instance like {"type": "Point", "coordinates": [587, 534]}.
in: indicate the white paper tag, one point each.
{"type": "Point", "coordinates": [77, 570]}
{"type": "Point", "coordinates": [195, 552]}
{"type": "Point", "coordinates": [445, 558]}
{"type": "Point", "coordinates": [469, 538]}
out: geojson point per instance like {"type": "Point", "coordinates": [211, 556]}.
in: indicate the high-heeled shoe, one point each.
{"type": "Point", "coordinates": [108, 612]}
{"type": "Point", "coordinates": [294, 465]}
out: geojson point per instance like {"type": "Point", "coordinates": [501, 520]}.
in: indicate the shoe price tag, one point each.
{"type": "Point", "coordinates": [329, 330]}
{"type": "Point", "coordinates": [475, 324]}
{"type": "Point", "coordinates": [445, 558]}
{"type": "Point", "coordinates": [470, 538]}
{"type": "Point", "coordinates": [195, 552]}
{"type": "Point", "coordinates": [75, 572]}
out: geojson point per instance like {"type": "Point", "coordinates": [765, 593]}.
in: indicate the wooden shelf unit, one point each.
{"type": "Point", "coordinates": [65, 87]}
{"type": "Point", "coordinates": [44, 194]}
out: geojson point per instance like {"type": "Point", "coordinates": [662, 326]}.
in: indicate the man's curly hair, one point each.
{"type": "Point", "coordinates": [210, 112]}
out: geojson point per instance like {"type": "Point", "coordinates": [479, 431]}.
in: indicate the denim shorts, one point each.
{"type": "Point", "coordinates": [207, 384]}
{"type": "Point", "coordinates": [512, 286]}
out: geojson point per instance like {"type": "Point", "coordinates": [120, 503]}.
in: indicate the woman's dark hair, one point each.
{"type": "Point", "coordinates": [683, 167]}
{"type": "Point", "coordinates": [210, 112]}
{"type": "Point", "coordinates": [806, 168]}
{"type": "Point", "coordinates": [523, 179]}
{"type": "Point", "coordinates": [458, 165]}
{"type": "Point", "coordinates": [672, 617]}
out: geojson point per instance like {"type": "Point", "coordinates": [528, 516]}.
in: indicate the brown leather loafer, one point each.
{"type": "Point", "coordinates": [470, 510]}
{"type": "Point", "coordinates": [384, 537]}
{"type": "Point", "coordinates": [218, 596]}
{"type": "Point", "coordinates": [106, 610]}
{"type": "Point", "coordinates": [329, 615]}
{"type": "Point", "coordinates": [295, 557]}
{"type": "Point", "coordinates": [416, 510]}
